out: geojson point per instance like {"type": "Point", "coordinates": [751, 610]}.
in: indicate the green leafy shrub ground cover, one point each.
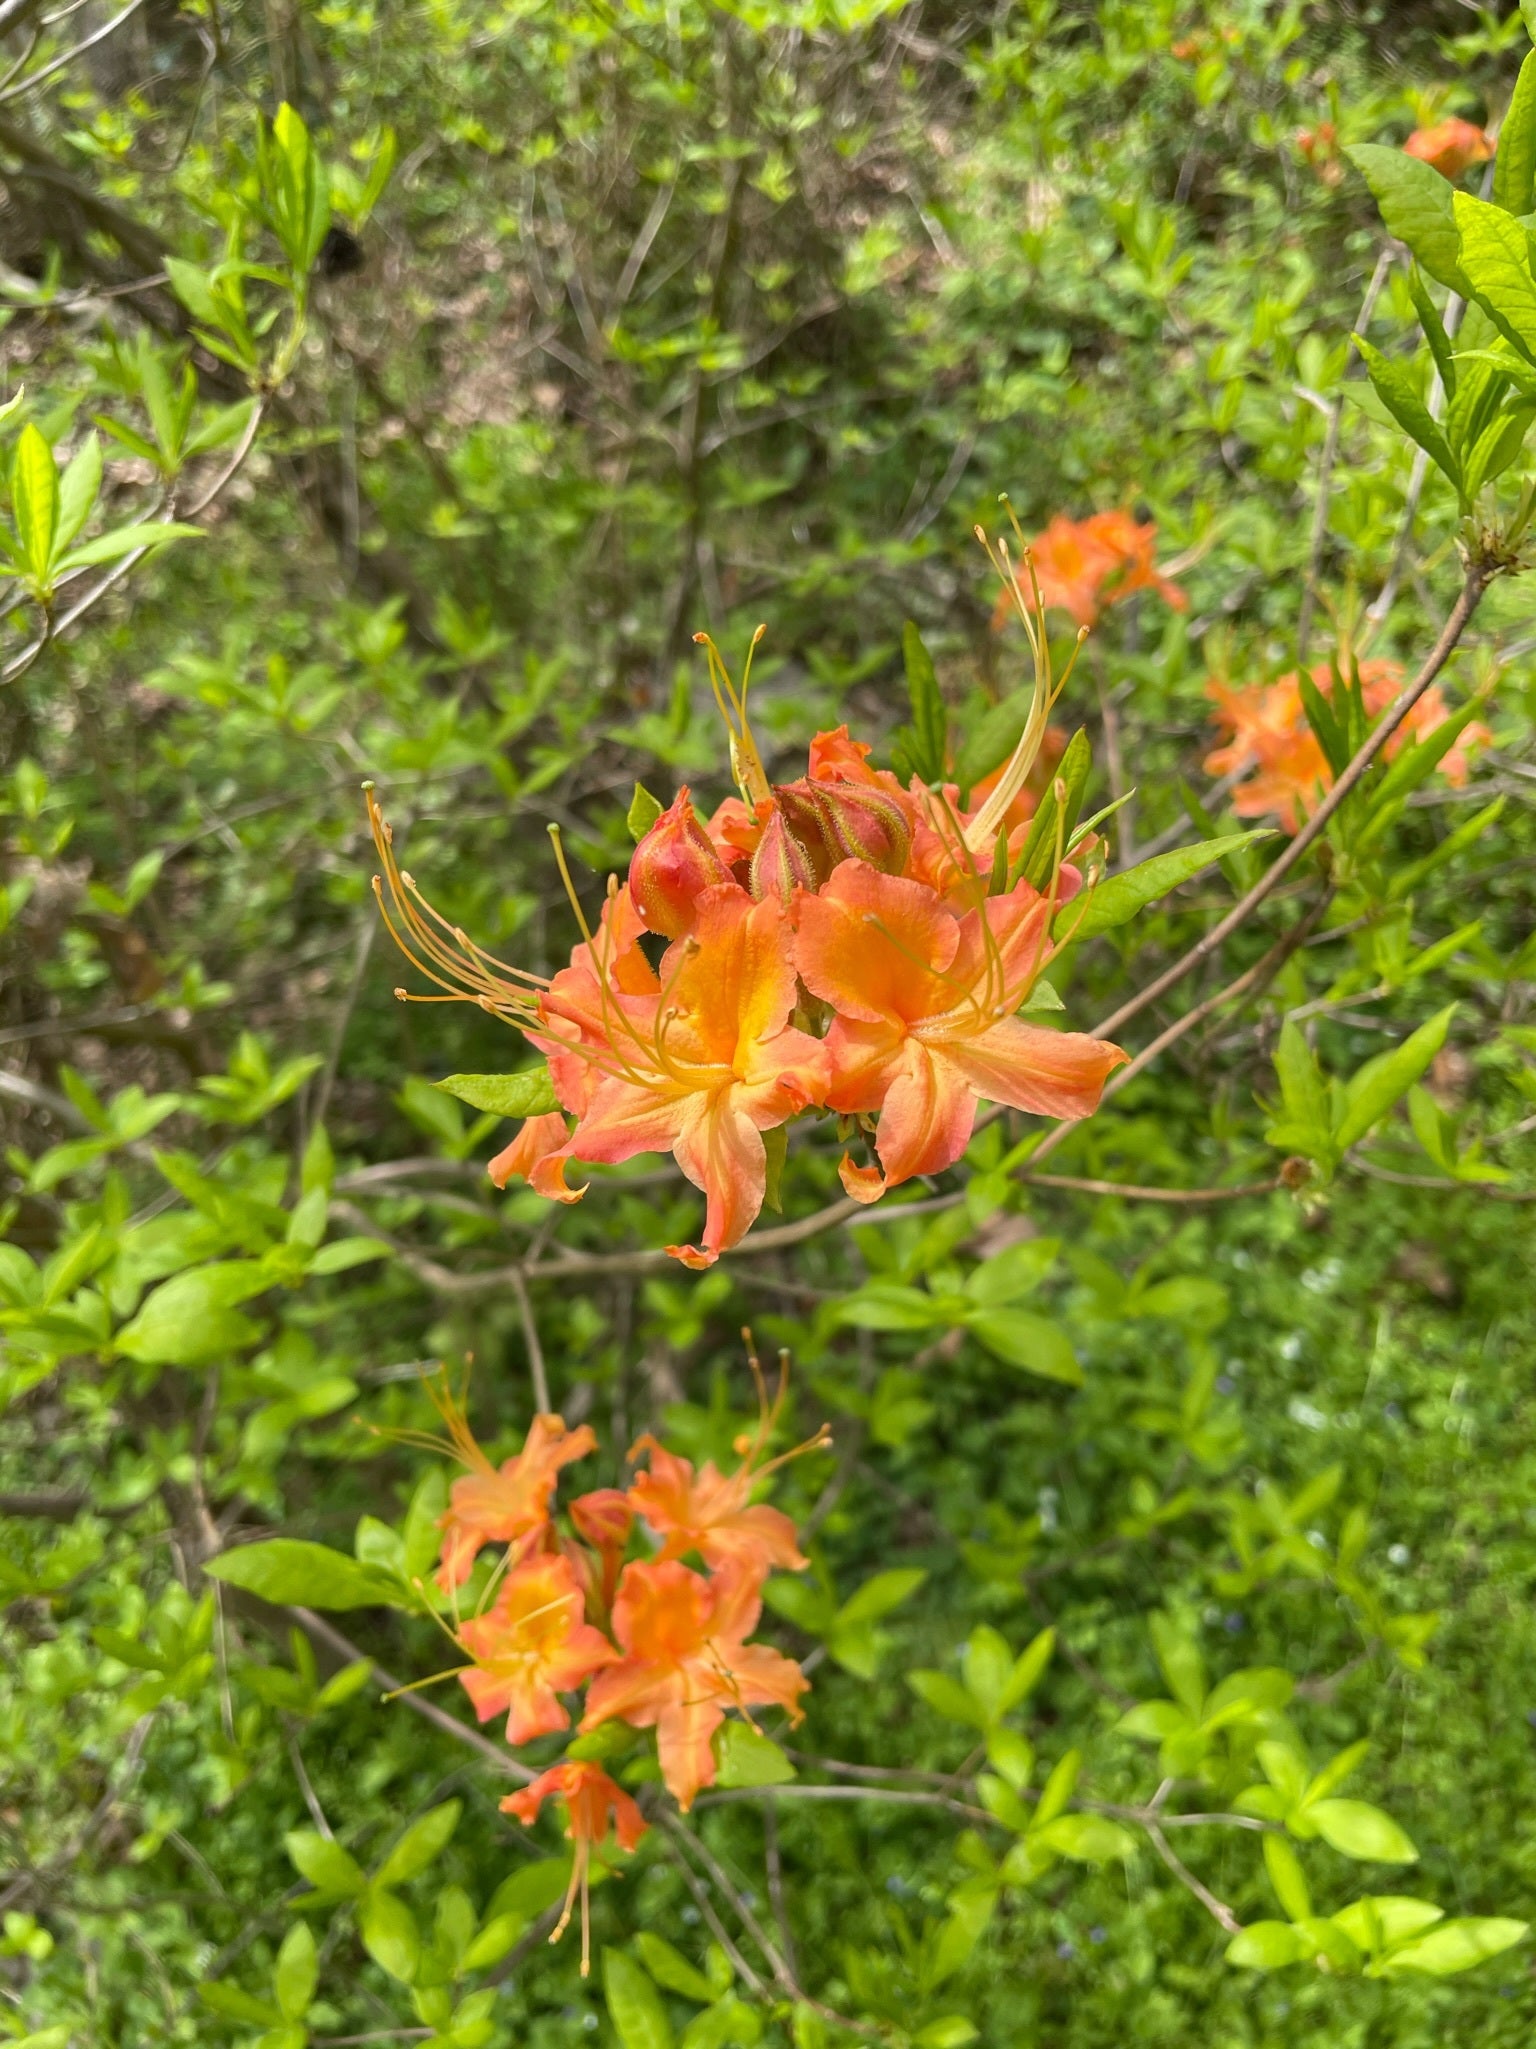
{"type": "Point", "coordinates": [433, 414]}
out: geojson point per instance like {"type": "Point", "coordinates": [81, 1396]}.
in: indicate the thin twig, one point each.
{"type": "Point", "coordinates": [1217, 1909]}
{"type": "Point", "coordinates": [531, 1339]}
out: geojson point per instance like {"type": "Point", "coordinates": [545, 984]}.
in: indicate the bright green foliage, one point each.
{"type": "Point", "coordinates": [1184, 1531]}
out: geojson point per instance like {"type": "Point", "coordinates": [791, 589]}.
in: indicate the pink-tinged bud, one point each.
{"type": "Point", "coordinates": [854, 822]}
{"type": "Point", "coordinates": [784, 863]}
{"type": "Point", "coordinates": [672, 865]}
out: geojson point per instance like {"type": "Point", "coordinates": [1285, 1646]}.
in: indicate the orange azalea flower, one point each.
{"type": "Point", "coordinates": [1084, 566]}
{"type": "Point", "coordinates": [701, 1069]}
{"type": "Point", "coordinates": [590, 1797]}
{"type": "Point", "coordinates": [926, 1023]}
{"type": "Point", "coordinates": [686, 1662]}
{"type": "Point", "coordinates": [505, 1505]}
{"type": "Point", "coordinates": [532, 1646]}
{"type": "Point", "coordinates": [605, 1518]}
{"type": "Point", "coordinates": [712, 1513]}
{"type": "Point", "coordinates": [1450, 146]}
{"type": "Point", "coordinates": [1271, 737]}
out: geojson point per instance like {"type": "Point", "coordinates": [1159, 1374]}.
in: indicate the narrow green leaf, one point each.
{"type": "Point", "coordinates": [1400, 396]}
{"type": "Point", "coordinates": [1496, 259]}
{"type": "Point", "coordinates": [1371, 1092]}
{"type": "Point", "coordinates": [35, 500]}
{"type": "Point", "coordinates": [928, 743]}
{"type": "Point", "coordinates": [328, 1867]}
{"type": "Point", "coordinates": [1514, 167]}
{"type": "Point", "coordinates": [77, 491]}
{"type": "Point", "coordinates": [390, 1936]}
{"type": "Point", "coordinates": [422, 1841]}
{"type": "Point", "coordinates": [1117, 899]}
{"type": "Point", "coordinates": [1037, 857]}
{"type": "Point", "coordinates": [296, 1973]}
{"type": "Point", "coordinates": [1457, 1946]}
{"type": "Point", "coordinates": [1287, 1877]}
{"type": "Point", "coordinates": [634, 2006]}
{"type": "Point", "coordinates": [1036, 1343]}
{"type": "Point", "coordinates": [1357, 1829]}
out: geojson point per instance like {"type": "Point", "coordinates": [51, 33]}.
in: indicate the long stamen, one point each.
{"type": "Point", "coordinates": [746, 763]}
{"type": "Point", "coordinates": [416, 1685]}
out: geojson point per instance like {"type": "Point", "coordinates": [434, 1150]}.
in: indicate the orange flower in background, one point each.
{"type": "Point", "coordinates": [686, 1663]}
{"type": "Point", "coordinates": [508, 1504]}
{"type": "Point", "coordinates": [701, 1069]}
{"type": "Point", "coordinates": [926, 1023]}
{"type": "Point", "coordinates": [591, 1799]}
{"type": "Point", "coordinates": [1085, 565]}
{"type": "Point", "coordinates": [530, 1647]}
{"type": "Point", "coordinates": [1450, 147]}
{"type": "Point", "coordinates": [1287, 771]}
{"type": "Point", "coordinates": [604, 1518]}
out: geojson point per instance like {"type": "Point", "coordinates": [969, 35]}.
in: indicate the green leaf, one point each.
{"type": "Point", "coordinates": [1118, 898]}
{"type": "Point", "coordinates": [1012, 1756]}
{"type": "Point", "coordinates": [1416, 205]}
{"type": "Point", "coordinates": [529, 1094]}
{"type": "Point", "coordinates": [1382, 1921]}
{"type": "Point", "coordinates": [1182, 1665]}
{"type": "Point", "coordinates": [1027, 1671]}
{"type": "Point", "coordinates": [123, 540]}
{"type": "Point", "coordinates": [390, 1936]}
{"type": "Point", "coordinates": [1400, 395]}
{"type": "Point", "coordinates": [1496, 258]}
{"type": "Point", "coordinates": [1008, 1275]}
{"type": "Point", "coordinates": [878, 1596]}
{"type": "Point", "coordinates": [947, 1697]}
{"type": "Point", "coordinates": [493, 1941]}
{"type": "Point", "coordinates": [1090, 1838]}
{"type": "Point", "coordinates": [1037, 858]}
{"type": "Point", "coordinates": [1457, 1946]}
{"type": "Point", "coordinates": [328, 1867]}
{"type": "Point", "coordinates": [1058, 1789]}
{"type": "Point", "coordinates": [288, 1570]}
{"type": "Point", "coordinates": [35, 500]}
{"type": "Point", "coordinates": [669, 1967]}
{"type": "Point", "coordinates": [296, 1973]}
{"type": "Point", "coordinates": [745, 1757]}
{"type": "Point", "coordinates": [1267, 1946]}
{"type": "Point", "coordinates": [644, 810]}
{"type": "Point", "coordinates": [887, 1305]}
{"type": "Point", "coordinates": [77, 490]}
{"type": "Point", "coordinates": [236, 2005]}
{"type": "Point", "coordinates": [191, 1318]}
{"type": "Point", "coordinates": [638, 2016]}
{"type": "Point", "coordinates": [927, 744]}
{"type": "Point", "coordinates": [1287, 1877]}
{"type": "Point", "coordinates": [1358, 1830]}
{"type": "Point", "coordinates": [422, 1841]}
{"type": "Point", "coordinates": [1035, 1343]}
{"type": "Point", "coordinates": [949, 2031]}
{"type": "Point", "coordinates": [1371, 1092]}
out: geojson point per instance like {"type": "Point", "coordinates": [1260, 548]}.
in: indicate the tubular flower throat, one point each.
{"type": "Point", "coordinates": [902, 912]}
{"type": "Point", "coordinates": [590, 1799]}
{"type": "Point", "coordinates": [1280, 757]}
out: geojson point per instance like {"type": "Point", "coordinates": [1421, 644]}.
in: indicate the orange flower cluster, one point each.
{"type": "Point", "coordinates": [1450, 147]}
{"type": "Point", "coordinates": [1082, 566]}
{"type": "Point", "coordinates": [839, 943]}
{"type": "Point", "coordinates": [1271, 738]}
{"type": "Point", "coordinates": [657, 1642]}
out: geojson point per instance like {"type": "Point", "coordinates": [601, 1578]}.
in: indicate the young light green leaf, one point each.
{"type": "Point", "coordinates": [529, 1094]}
{"type": "Point", "coordinates": [644, 810]}
{"type": "Point", "coordinates": [77, 490]}
{"type": "Point", "coordinates": [878, 1596]}
{"type": "Point", "coordinates": [1020, 1338]}
{"type": "Point", "coordinates": [296, 1973]}
{"type": "Point", "coordinates": [1371, 1092]}
{"type": "Point", "coordinates": [745, 1757]}
{"type": "Point", "coordinates": [390, 1936]}
{"type": "Point", "coordinates": [1456, 1946]}
{"type": "Point", "coordinates": [287, 1570]}
{"type": "Point", "coordinates": [1117, 899]}
{"type": "Point", "coordinates": [638, 2016]}
{"type": "Point", "coordinates": [1267, 1946]}
{"type": "Point", "coordinates": [35, 500]}
{"type": "Point", "coordinates": [1357, 1829]}
{"type": "Point", "coordinates": [928, 740]}
{"type": "Point", "coordinates": [1090, 1838]}
{"type": "Point", "coordinates": [1496, 259]}
{"type": "Point", "coordinates": [328, 1867]}
{"type": "Point", "coordinates": [1287, 1877]}
{"type": "Point", "coordinates": [670, 1968]}
{"type": "Point", "coordinates": [125, 540]}
{"type": "Point", "coordinates": [422, 1842]}
{"type": "Point", "coordinates": [947, 1697]}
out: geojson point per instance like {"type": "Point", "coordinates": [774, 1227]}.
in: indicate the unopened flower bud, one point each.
{"type": "Point", "coordinates": [854, 821]}
{"type": "Point", "coordinates": [672, 865]}
{"type": "Point", "coordinates": [784, 863]}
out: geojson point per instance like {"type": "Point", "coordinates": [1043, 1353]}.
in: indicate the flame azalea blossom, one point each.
{"type": "Point", "coordinates": [508, 1504]}
{"type": "Point", "coordinates": [1082, 566]}
{"type": "Point", "coordinates": [530, 1647]}
{"type": "Point", "coordinates": [701, 1051]}
{"type": "Point", "coordinates": [702, 1069]}
{"type": "Point", "coordinates": [926, 1022]}
{"type": "Point", "coordinates": [686, 1663]}
{"type": "Point", "coordinates": [1270, 737]}
{"type": "Point", "coordinates": [1450, 147]}
{"type": "Point", "coordinates": [712, 1513]}
{"type": "Point", "coordinates": [590, 1798]}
